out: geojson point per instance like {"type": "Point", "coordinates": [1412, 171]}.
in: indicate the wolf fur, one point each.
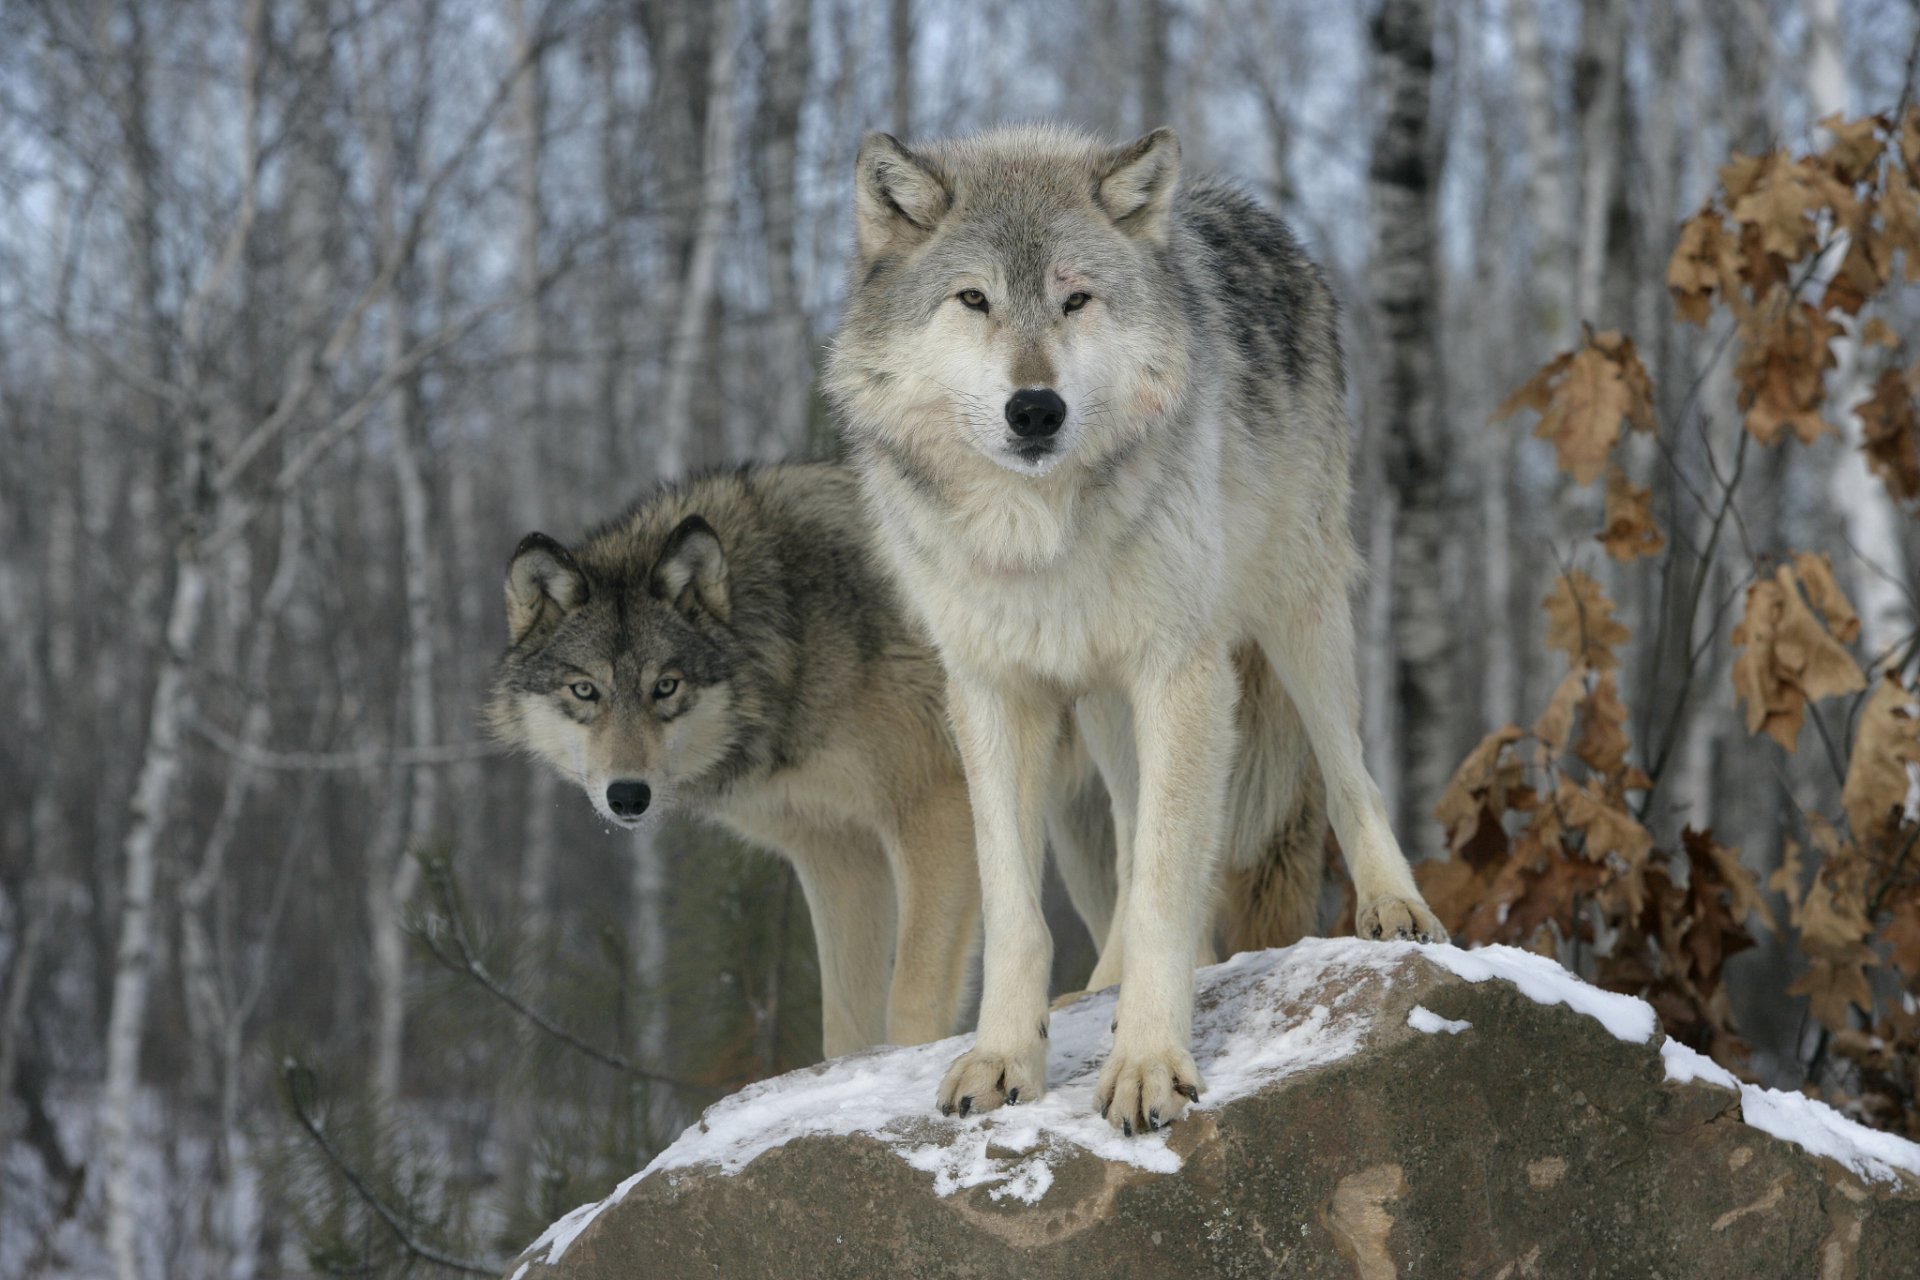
{"type": "Point", "coordinates": [733, 647]}
{"type": "Point", "coordinates": [1098, 414]}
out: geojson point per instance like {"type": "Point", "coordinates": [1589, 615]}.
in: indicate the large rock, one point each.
{"type": "Point", "coordinates": [1373, 1110]}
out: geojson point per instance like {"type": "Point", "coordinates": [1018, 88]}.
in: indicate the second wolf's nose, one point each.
{"type": "Point", "coordinates": [628, 799]}
{"type": "Point", "coordinates": [1035, 411]}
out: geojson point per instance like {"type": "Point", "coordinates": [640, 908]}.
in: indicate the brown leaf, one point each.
{"type": "Point", "coordinates": [1877, 332]}
{"type": "Point", "coordinates": [1536, 392]}
{"type": "Point", "coordinates": [1782, 368]}
{"type": "Point", "coordinates": [1862, 273]}
{"type": "Point", "coordinates": [1899, 209]}
{"type": "Point", "coordinates": [1888, 741]}
{"type": "Point", "coordinates": [1834, 925]}
{"type": "Point", "coordinates": [1555, 726]}
{"type": "Point", "coordinates": [1824, 594]}
{"type": "Point", "coordinates": [1787, 659]}
{"type": "Point", "coordinates": [1855, 146]}
{"type": "Point", "coordinates": [1902, 933]}
{"type": "Point", "coordinates": [1603, 741]}
{"type": "Point", "coordinates": [1705, 259]}
{"type": "Point", "coordinates": [1480, 783]}
{"type": "Point", "coordinates": [1781, 202]}
{"type": "Point", "coordinates": [1890, 435]}
{"type": "Point", "coordinates": [1630, 531]}
{"type": "Point", "coordinates": [1580, 622]}
{"type": "Point", "coordinates": [1721, 866]}
{"type": "Point", "coordinates": [1610, 832]}
{"type": "Point", "coordinates": [1833, 987]}
{"type": "Point", "coordinates": [1582, 397]}
{"type": "Point", "coordinates": [1785, 879]}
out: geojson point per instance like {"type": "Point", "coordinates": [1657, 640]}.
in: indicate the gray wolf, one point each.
{"type": "Point", "coordinates": [1098, 414]}
{"type": "Point", "coordinates": [733, 646]}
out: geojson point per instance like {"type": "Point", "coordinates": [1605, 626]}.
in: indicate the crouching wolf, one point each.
{"type": "Point", "coordinates": [1098, 414]}
{"type": "Point", "coordinates": [733, 646]}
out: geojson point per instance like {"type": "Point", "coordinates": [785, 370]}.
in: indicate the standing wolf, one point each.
{"type": "Point", "coordinates": [1098, 414]}
{"type": "Point", "coordinates": [734, 647]}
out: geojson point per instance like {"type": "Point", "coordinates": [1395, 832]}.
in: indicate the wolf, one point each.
{"type": "Point", "coordinates": [734, 647]}
{"type": "Point", "coordinates": [1098, 413]}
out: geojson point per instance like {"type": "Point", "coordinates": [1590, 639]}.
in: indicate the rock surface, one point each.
{"type": "Point", "coordinates": [1373, 1111]}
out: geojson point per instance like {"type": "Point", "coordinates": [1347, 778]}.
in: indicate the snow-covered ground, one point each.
{"type": "Point", "coordinates": [888, 1093]}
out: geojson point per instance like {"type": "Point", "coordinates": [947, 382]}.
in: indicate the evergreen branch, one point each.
{"type": "Point", "coordinates": [466, 961]}
{"type": "Point", "coordinates": [294, 1074]}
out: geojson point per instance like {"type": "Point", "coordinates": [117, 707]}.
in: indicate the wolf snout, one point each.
{"type": "Point", "coordinates": [1035, 412]}
{"type": "Point", "coordinates": [627, 798]}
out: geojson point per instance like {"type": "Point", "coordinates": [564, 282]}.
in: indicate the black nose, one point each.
{"type": "Point", "coordinates": [1035, 411]}
{"type": "Point", "coordinates": [628, 799]}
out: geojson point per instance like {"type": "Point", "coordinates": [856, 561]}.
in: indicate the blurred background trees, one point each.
{"type": "Point", "coordinates": [310, 308]}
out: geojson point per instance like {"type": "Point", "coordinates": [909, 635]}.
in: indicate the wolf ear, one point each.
{"type": "Point", "coordinates": [1136, 190]}
{"type": "Point", "coordinates": [544, 584]}
{"type": "Point", "coordinates": [898, 199]}
{"type": "Point", "coordinates": [692, 569]}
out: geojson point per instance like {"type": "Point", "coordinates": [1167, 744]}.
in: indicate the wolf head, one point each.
{"type": "Point", "coordinates": [1013, 289]}
{"type": "Point", "coordinates": [619, 673]}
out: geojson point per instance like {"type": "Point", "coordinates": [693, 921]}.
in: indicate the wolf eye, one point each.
{"type": "Point", "coordinates": [665, 686]}
{"type": "Point", "coordinates": [584, 690]}
{"type": "Point", "coordinates": [973, 298]}
{"type": "Point", "coordinates": [1075, 301]}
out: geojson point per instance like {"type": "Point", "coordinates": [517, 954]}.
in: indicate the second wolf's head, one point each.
{"type": "Point", "coordinates": [619, 671]}
{"type": "Point", "coordinates": [1013, 294]}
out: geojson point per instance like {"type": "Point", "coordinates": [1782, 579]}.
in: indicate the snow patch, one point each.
{"type": "Point", "coordinates": [1421, 1018]}
{"type": "Point", "coordinates": [1808, 1123]}
{"type": "Point", "coordinates": [1545, 982]}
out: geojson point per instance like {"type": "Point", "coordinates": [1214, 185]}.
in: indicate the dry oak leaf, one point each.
{"type": "Point", "coordinates": [1899, 210]}
{"type": "Point", "coordinates": [1608, 831]}
{"type": "Point", "coordinates": [1630, 531]}
{"type": "Point", "coordinates": [1785, 879]}
{"type": "Point", "coordinates": [1706, 258]}
{"type": "Point", "coordinates": [1554, 728]}
{"type": "Point", "coordinates": [1890, 436]}
{"type": "Point", "coordinates": [1603, 743]}
{"type": "Point", "coordinates": [1888, 740]}
{"type": "Point", "coordinates": [1580, 622]}
{"type": "Point", "coordinates": [1582, 396]}
{"type": "Point", "coordinates": [1909, 138]}
{"type": "Point", "coordinates": [1823, 593]}
{"type": "Point", "coordinates": [1862, 273]}
{"type": "Point", "coordinates": [1834, 926]}
{"type": "Point", "coordinates": [1781, 201]}
{"type": "Point", "coordinates": [1787, 660]}
{"type": "Point", "coordinates": [1902, 933]}
{"type": "Point", "coordinates": [1722, 864]}
{"type": "Point", "coordinates": [1855, 147]}
{"type": "Point", "coordinates": [1831, 988]}
{"type": "Point", "coordinates": [1877, 332]}
{"type": "Point", "coordinates": [1782, 368]}
{"type": "Point", "coordinates": [1480, 783]}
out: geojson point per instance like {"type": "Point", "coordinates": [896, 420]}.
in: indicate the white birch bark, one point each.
{"type": "Point", "coordinates": [788, 66]}
{"type": "Point", "coordinates": [1547, 197]}
{"type": "Point", "coordinates": [703, 266]}
{"type": "Point", "coordinates": [1873, 527]}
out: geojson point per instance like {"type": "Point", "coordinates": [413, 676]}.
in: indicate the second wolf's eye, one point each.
{"type": "Point", "coordinates": [1075, 301]}
{"type": "Point", "coordinates": [973, 298]}
{"type": "Point", "coordinates": [584, 690]}
{"type": "Point", "coordinates": [664, 687]}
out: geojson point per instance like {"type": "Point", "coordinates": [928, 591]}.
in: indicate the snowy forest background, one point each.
{"type": "Point", "coordinates": [310, 308]}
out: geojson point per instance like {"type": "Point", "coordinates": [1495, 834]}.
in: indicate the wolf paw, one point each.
{"type": "Point", "coordinates": [1139, 1093]}
{"type": "Point", "coordinates": [980, 1080]}
{"type": "Point", "coordinates": [1390, 919]}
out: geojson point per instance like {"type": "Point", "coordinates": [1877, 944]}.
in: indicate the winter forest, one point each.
{"type": "Point", "coordinates": [310, 309]}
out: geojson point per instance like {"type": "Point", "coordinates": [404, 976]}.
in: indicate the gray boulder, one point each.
{"type": "Point", "coordinates": [1373, 1110]}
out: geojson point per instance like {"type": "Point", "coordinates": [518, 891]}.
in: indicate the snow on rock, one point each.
{"type": "Point", "coordinates": [887, 1093]}
{"type": "Point", "coordinates": [1806, 1122]}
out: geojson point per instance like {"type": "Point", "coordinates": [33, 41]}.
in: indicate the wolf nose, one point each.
{"type": "Point", "coordinates": [628, 799]}
{"type": "Point", "coordinates": [1035, 411]}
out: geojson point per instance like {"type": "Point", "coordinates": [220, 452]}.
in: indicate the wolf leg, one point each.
{"type": "Point", "coordinates": [1007, 733]}
{"type": "Point", "coordinates": [938, 885]}
{"type": "Point", "coordinates": [1106, 724]}
{"type": "Point", "coordinates": [1311, 647]}
{"type": "Point", "coordinates": [850, 896]}
{"type": "Point", "coordinates": [1184, 718]}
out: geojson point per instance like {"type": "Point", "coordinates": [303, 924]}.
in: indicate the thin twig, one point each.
{"type": "Point", "coordinates": [293, 1073]}
{"type": "Point", "coordinates": [466, 961]}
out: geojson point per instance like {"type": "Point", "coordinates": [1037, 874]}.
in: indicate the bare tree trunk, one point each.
{"type": "Point", "coordinates": [900, 41]}
{"type": "Point", "coordinates": [1873, 526]}
{"type": "Point", "coordinates": [788, 66]}
{"type": "Point", "coordinates": [1598, 85]}
{"type": "Point", "coordinates": [1412, 429]}
{"type": "Point", "coordinates": [1553, 244]}
{"type": "Point", "coordinates": [1153, 62]}
{"type": "Point", "coordinates": [702, 275]}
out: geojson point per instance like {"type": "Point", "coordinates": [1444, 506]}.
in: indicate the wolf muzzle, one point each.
{"type": "Point", "coordinates": [1035, 412]}
{"type": "Point", "coordinates": [628, 799]}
